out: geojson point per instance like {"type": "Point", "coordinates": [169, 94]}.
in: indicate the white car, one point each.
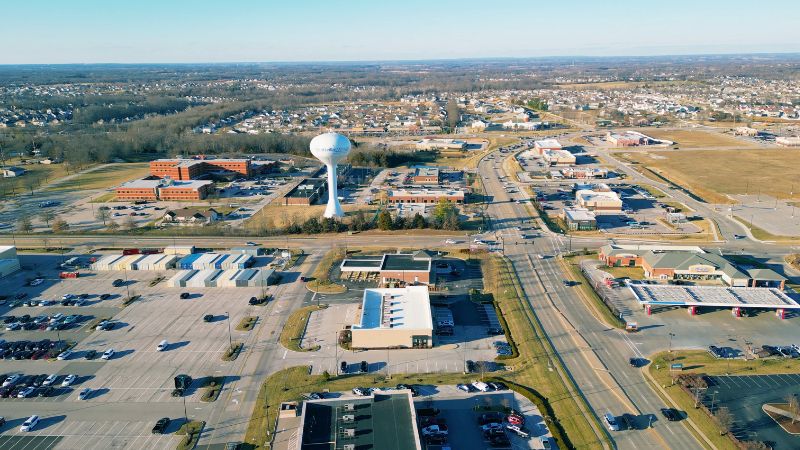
{"type": "Point", "coordinates": [37, 282]}
{"type": "Point", "coordinates": [108, 354]}
{"type": "Point", "coordinates": [12, 379]}
{"type": "Point", "coordinates": [49, 380]}
{"type": "Point", "coordinates": [611, 422]}
{"type": "Point", "coordinates": [29, 424]}
{"type": "Point", "coordinates": [27, 392]}
{"type": "Point", "coordinates": [64, 355]}
{"type": "Point", "coordinates": [69, 380]}
{"type": "Point", "coordinates": [449, 241]}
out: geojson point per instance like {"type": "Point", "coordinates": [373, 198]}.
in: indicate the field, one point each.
{"type": "Point", "coordinates": [696, 139]}
{"type": "Point", "coordinates": [712, 173]}
{"type": "Point", "coordinates": [108, 176]}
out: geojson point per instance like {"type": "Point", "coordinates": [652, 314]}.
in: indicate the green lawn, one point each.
{"type": "Point", "coordinates": [295, 326]}
{"type": "Point", "coordinates": [112, 175]}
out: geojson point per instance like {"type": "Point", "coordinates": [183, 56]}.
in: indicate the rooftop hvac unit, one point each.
{"type": "Point", "coordinates": [349, 432]}
{"type": "Point", "coordinates": [349, 447]}
{"type": "Point", "coordinates": [349, 406]}
{"type": "Point", "coordinates": [347, 418]}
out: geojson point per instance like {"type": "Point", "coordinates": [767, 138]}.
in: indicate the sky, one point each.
{"type": "Point", "coordinates": [181, 31]}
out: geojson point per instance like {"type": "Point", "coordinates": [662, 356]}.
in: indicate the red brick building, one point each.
{"type": "Point", "coordinates": [191, 169]}
{"type": "Point", "coordinates": [152, 190]}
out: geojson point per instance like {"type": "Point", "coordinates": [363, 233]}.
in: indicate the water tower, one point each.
{"type": "Point", "coordinates": [330, 148]}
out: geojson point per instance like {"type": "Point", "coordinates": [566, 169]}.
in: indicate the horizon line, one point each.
{"type": "Point", "coordinates": [423, 60]}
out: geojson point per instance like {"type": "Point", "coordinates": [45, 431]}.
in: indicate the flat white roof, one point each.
{"type": "Point", "coordinates": [396, 308]}
{"type": "Point", "coordinates": [547, 143]}
{"type": "Point", "coordinates": [716, 296]}
{"type": "Point", "coordinates": [579, 214]}
{"type": "Point", "coordinates": [141, 184]}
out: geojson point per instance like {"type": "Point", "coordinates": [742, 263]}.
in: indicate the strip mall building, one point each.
{"type": "Point", "coordinates": [688, 263]}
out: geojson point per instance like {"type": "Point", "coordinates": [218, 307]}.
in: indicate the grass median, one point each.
{"type": "Point", "coordinates": [572, 265]}
{"type": "Point", "coordinates": [192, 432]}
{"type": "Point", "coordinates": [535, 366]}
{"type": "Point", "coordinates": [295, 327]}
{"type": "Point", "coordinates": [247, 323]}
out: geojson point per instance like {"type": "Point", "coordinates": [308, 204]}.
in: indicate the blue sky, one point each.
{"type": "Point", "coordinates": [91, 31]}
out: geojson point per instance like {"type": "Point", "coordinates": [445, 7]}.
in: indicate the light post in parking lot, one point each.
{"type": "Point", "coordinates": [230, 337]}
{"type": "Point", "coordinates": [671, 335]}
{"type": "Point", "coordinates": [127, 288]}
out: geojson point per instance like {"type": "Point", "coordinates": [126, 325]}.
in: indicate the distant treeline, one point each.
{"type": "Point", "coordinates": [382, 158]}
{"type": "Point", "coordinates": [117, 111]}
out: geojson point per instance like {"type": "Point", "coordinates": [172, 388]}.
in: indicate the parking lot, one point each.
{"type": "Point", "coordinates": [750, 422]}
{"type": "Point", "coordinates": [449, 354]}
{"type": "Point", "coordinates": [133, 388]}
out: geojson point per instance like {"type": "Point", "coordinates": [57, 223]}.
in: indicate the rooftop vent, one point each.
{"type": "Point", "coordinates": [349, 407]}
{"type": "Point", "coordinates": [348, 418]}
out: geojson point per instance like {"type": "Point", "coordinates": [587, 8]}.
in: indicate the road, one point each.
{"type": "Point", "coordinates": [595, 355]}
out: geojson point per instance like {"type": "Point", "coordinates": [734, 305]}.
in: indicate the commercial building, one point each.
{"type": "Point", "coordinates": [426, 175]}
{"type": "Point", "coordinates": [191, 216]}
{"type": "Point", "coordinates": [426, 196]}
{"type": "Point", "coordinates": [394, 318]}
{"type": "Point", "coordinates": [308, 192]}
{"type": "Point", "coordinates": [9, 261]}
{"type": "Point", "coordinates": [190, 169]}
{"type": "Point", "coordinates": [599, 200]}
{"type": "Point", "coordinates": [163, 189]}
{"type": "Point", "coordinates": [432, 143]}
{"type": "Point", "coordinates": [381, 421]}
{"type": "Point", "coordinates": [745, 131]}
{"type": "Point", "coordinates": [583, 173]}
{"type": "Point", "coordinates": [627, 139]}
{"type": "Point", "coordinates": [412, 268]}
{"type": "Point", "coordinates": [546, 144]}
{"type": "Point", "coordinates": [689, 263]}
{"type": "Point", "coordinates": [791, 141]}
{"type": "Point", "coordinates": [559, 158]}
{"type": "Point", "coordinates": [578, 219]}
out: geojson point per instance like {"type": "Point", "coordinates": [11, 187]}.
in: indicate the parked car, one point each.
{"type": "Point", "coordinates": [64, 355]}
{"type": "Point", "coordinates": [361, 391]}
{"type": "Point", "coordinates": [208, 318]}
{"type": "Point", "coordinates": [50, 380]}
{"type": "Point", "coordinates": [185, 295]}
{"type": "Point", "coordinates": [26, 392]}
{"type": "Point", "coordinates": [68, 380]}
{"type": "Point", "coordinates": [364, 367]}
{"type": "Point", "coordinates": [161, 425]}
{"type": "Point", "coordinates": [29, 424]}
{"type": "Point", "coordinates": [108, 354]}
{"type": "Point", "coordinates": [85, 394]}
{"type": "Point", "coordinates": [91, 354]}
{"type": "Point", "coordinates": [463, 387]}
{"type": "Point", "coordinates": [343, 367]}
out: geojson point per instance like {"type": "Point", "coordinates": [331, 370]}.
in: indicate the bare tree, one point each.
{"type": "Point", "coordinates": [794, 406]}
{"type": "Point", "coordinates": [103, 214]}
{"type": "Point", "coordinates": [129, 224]}
{"type": "Point", "coordinates": [60, 225]}
{"type": "Point", "coordinates": [112, 226]}
{"type": "Point", "coordinates": [46, 216]}
{"type": "Point", "coordinates": [24, 224]}
{"type": "Point", "coordinates": [724, 419]}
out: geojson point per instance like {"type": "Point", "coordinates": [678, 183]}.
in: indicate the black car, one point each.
{"type": "Point", "coordinates": [117, 283]}
{"type": "Point", "coordinates": [25, 318]}
{"type": "Point", "coordinates": [9, 319]}
{"type": "Point", "coordinates": [436, 439]}
{"type": "Point", "coordinates": [161, 426]}
{"type": "Point", "coordinates": [38, 380]}
{"type": "Point", "coordinates": [364, 367]}
{"type": "Point", "coordinates": [491, 417]}
{"type": "Point", "coordinates": [208, 318]}
{"type": "Point", "coordinates": [46, 391]}
{"type": "Point", "coordinates": [343, 367]}
{"type": "Point", "coordinates": [499, 440]}
{"type": "Point", "coordinates": [104, 296]}
{"type": "Point", "coordinates": [671, 414]}
{"type": "Point", "coordinates": [498, 386]}
{"type": "Point", "coordinates": [91, 354]}
{"type": "Point", "coordinates": [185, 295]}
{"type": "Point", "coordinates": [256, 301]}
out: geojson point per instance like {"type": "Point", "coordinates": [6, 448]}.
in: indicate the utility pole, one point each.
{"type": "Point", "coordinates": [671, 335]}
{"type": "Point", "coordinates": [336, 352]}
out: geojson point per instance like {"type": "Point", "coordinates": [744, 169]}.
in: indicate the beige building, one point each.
{"type": "Point", "coordinates": [792, 141]}
{"type": "Point", "coordinates": [598, 201]}
{"type": "Point", "coordinates": [394, 318]}
{"type": "Point", "coordinates": [559, 158]}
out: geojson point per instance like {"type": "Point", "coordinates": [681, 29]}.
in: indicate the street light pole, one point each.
{"type": "Point", "coordinates": [230, 336]}
{"type": "Point", "coordinates": [671, 335]}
